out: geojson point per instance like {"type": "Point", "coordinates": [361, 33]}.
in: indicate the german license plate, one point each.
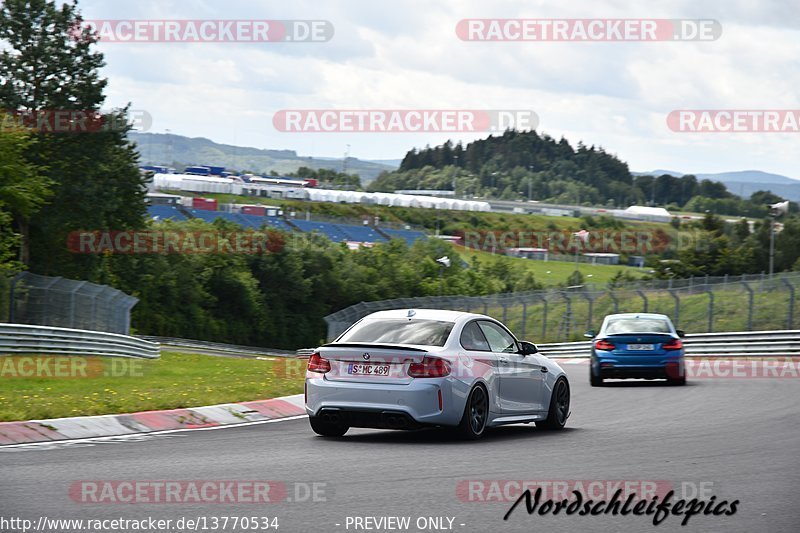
{"type": "Point", "coordinates": [361, 369]}
{"type": "Point", "coordinates": [640, 347]}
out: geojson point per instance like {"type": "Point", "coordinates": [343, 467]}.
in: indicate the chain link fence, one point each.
{"type": "Point", "coordinates": [48, 301]}
{"type": "Point", "coordinates": [697, 305]}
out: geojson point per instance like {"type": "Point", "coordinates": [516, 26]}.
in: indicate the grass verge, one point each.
{"type": "Point", "coordinates": [554, 273]}
{"type": "Point", "coordinates": [176, 380]}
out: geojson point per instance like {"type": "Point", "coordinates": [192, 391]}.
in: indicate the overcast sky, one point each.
{"type": "Point", "coordinates": [405, 54]}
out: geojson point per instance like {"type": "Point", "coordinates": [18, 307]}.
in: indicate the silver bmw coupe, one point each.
{"type": "Point", "coordinates": [407, 369]}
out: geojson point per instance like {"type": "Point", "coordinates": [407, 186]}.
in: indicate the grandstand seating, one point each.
{"type": "Point", "coordinates": [331, 231]}
{"type": "Point", "coordinates": [256, 222]}
{"type": "Point", "coordinates": [335, 232]}
{"type": "Point", "coordinates": [360, 233]}
{"type": "Point", "coordinates": [163, 212]}
{"type": "Point", "coordinates": [407, 235]}
{"type": "Point", "coordinates": [245, 221]}
{"type": "Point", "coordinates": [211, 216]}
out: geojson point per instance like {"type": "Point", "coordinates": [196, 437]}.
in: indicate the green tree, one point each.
{"type": "Point", "coordinates": [23, 191]}
{"type": "Point", "coordinates": [49, 64]}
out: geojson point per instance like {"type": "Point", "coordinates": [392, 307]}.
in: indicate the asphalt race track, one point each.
{"type": "Point", "coordinates": [738, 439]}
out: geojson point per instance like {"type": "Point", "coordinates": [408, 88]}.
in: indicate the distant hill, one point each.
{"type": "Point", "coordinates": [177, 150]}
{"type": "Point", "coordinates": [744, 182]}
{"type": "Point", "coordinates": [394, 163]}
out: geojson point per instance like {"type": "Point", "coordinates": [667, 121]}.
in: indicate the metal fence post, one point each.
{"type": "Point", "coordinates": [790, 310]}
{"type": "Point", "coordinates": [72, 294]}
{"type": "Point", "coordinates": [644, 299]}
{"type": "Point", "coordinates": [544, 316]}
{"type": "Point", "coordinates": [710, 309]}
{"type": "Point", "coordinates": [524, 317]}
{"type": "Point", "coordinates": [614, 299]}
{"type": "Point", "coordinates": [12, 296]}
{"type": "Point", "coordinates": [589, 312]}
{"type": "Point", "coordinates": [567, 315]}
{"type": "Point", "coordinates": [674, 294]}
{"type": "Point", "coordinates": [749, 305]}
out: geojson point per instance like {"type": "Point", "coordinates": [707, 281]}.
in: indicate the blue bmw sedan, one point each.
{"type": "Point", "coordinates": [637, 345]}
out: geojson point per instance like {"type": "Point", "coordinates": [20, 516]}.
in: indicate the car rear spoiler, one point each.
{"type": "Point", "coordinates": [372, 345]}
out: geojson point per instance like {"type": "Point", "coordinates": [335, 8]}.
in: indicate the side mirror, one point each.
{"type": "Point", "coordinates": [527, 348]}
{"type": "Point", "coordinates": [589, 334]}
{"type": "Point", "coordinates": [680, 333]}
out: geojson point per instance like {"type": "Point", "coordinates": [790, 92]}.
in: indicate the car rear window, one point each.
{"type": "Point", "coordinates": [637, 325]}
{"type": "Point", "coordinates": [399, 331]}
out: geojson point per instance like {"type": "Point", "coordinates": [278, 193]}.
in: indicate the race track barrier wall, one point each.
{"type": "Point", "coordinates": [49, 340]}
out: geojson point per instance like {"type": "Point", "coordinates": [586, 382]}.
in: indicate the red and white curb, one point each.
{"type": "Point", "coordinates": [82, 427]}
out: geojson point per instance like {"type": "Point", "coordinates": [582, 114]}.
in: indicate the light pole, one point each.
{"type": "Point", "coordinates": [771, 244]}
{"type": "Point", "coordinates": [581, 235]}
{"type": "Point", "coordinates": [530, 182]}
{"type": "Point", "coordinates": [444, 262]}
{"type": "Point", "coordinates": [775, 210]}
{"type": "Point", "coordinates": [455, 175]}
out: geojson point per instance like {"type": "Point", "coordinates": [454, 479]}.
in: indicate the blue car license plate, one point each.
{"type": "Point", "coordinates": [640, 347]}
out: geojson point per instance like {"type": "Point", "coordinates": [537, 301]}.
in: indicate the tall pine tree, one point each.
{"type": "Point", "coordinates": [49, 64]}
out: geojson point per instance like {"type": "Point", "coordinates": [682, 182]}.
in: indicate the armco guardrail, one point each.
{"type": "Point", "coordinates": [50, 340]}
{"type": "Point", "coordinates": [729, 344]}
{"type": "Point", "coordinates": [218, 347]}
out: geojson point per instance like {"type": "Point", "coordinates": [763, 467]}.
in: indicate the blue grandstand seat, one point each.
{"type": "Point", "coordinates": [407, 235]}
{"type": "Point", "coordinates": [244, 220]}
{"type": "Point", "coordinates": [211, 216]}
{"type": "Point", "coordinates": [257, 222]}
{"type": "Point", "coordinates": [277, 223]}
{"type": "Point", "coordinates": [361, 233]}
{"type": "Point", "coordinates": [163, 212]}
{"type": "Point", "coordinates": [329, 230]}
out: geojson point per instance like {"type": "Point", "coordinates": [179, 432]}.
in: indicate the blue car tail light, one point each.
{"type": "Point", "coordinates": [604, 345]}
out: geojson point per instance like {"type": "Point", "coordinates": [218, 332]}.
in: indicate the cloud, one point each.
{"type": "Point", "coordinates": [405, 54]}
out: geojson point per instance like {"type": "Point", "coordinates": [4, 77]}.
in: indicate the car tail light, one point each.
{"type": "Point", "coordinates": [604, 345]}
{"type": "Point", "coordinates": [316, 363]}
{"type": "Point", "coordinates": [430, 367]}
{"type": "Point", "coordinates": [674, 344]}
{"type": "Point", "coordinates": [440, 399]}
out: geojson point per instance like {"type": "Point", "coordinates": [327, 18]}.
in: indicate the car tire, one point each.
{"type": "Point", "coordinates": [594, 381]}
{"type": "Point", "coordinates": [558, 412]}
{"type": "Point", "coordinates": [327, 429]}
{"type": "Point", "coordinates": [476, 414]}
{"type": "Point", "coordinates": [679, 382]}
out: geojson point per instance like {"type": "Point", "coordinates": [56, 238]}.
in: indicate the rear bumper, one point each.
{"type": "Point", "coordinates": [621, 367]}
{"type": "Point", "coordinates": [369, 419]}
{"type": "Point", "coordinates": [387, 406]}
{"type": "Point", "coordinates": [636, 372]}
